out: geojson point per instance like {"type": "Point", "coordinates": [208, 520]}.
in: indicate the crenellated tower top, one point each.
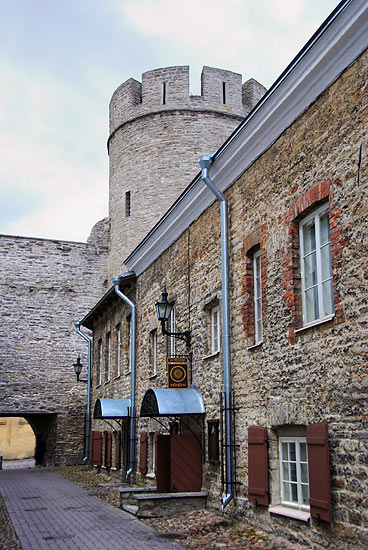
{"type": "Point", "coordinates": [157, 133]}
{"type": "Point", "coordinates": [168, 88]}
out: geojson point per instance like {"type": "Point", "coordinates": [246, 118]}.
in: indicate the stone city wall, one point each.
{"type": "Point", "coordinates": [46, 285]}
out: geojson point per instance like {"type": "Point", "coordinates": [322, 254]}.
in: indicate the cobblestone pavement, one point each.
{"type": "Point", "coordinates": [51, 513]}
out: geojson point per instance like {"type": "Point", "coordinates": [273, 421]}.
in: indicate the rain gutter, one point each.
{"type": "Point", "coordinates": [116, 283]}
{"type": "Point", "coordinates": [205, 163]}
{"type": "Point", "coordinates": [88, 408]}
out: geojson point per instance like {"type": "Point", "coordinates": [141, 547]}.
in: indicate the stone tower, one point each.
{"type": "Point", "coordinates": [157, 133]}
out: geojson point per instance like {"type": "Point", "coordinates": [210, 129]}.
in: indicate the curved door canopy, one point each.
{"type": "Point", "coordinates": [111, 408]}
{"type": "Point", "coordinates": [172, 402]}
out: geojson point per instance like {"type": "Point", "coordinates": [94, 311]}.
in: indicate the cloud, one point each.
{"type": "Point", "coordinates": [49, 130]}
{"type": "Point", "coordinates": [257, 39]}
{"type": "Point", "coordinates": [284, 12]}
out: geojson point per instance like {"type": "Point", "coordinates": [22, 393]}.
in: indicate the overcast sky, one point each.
{"type": "Point", "coordinates": [61, 60]}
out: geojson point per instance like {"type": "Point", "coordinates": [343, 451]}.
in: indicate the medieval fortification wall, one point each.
{"type": "Point", "coordinates": [157, 133]}
{"type": "Point", "coordinates": [45, 286]}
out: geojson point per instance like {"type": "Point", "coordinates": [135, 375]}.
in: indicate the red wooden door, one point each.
{"type": "Point", "coordinates": [186, 463]}
{"type": "Point", "coordinates": [162, 465]}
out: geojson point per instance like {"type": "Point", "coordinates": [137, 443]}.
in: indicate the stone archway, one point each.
{"type": "Point", "coordinates": [17, 438]}
{"type": "Point", "coordinates": [42, 424]}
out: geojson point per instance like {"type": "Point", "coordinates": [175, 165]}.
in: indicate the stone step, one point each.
{"type": "Point", "coordinates": [130, 508]}
{"type": "Point", "coordinates": [129, 493]}
{"type": "Point", "coordinates": [166, 504]}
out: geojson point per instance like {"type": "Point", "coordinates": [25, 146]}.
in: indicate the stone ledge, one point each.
{"type": "Point", "coordinates": [166, 496]}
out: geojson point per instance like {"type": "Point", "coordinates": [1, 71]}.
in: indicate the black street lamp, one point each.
{"type": "Point", "coordinates": [163, 310]}
{"type": "Point", "coordinates": [78, 369]}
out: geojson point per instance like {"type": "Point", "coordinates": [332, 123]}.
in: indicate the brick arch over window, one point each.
{"type": "Point", "coordinates": [253, 242]}
{"type": "Point", "coordinates": [318, 194]}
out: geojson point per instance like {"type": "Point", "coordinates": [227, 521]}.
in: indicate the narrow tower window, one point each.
{"type": "Point", "coordinates": [224, 92]}
{"type": "Point", "coordinates": [127, 204]}
{"type": "Point", "coordinates": [164, 93]}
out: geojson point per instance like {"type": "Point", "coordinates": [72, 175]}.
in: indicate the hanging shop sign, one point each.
{"type": "Point", "coordinates": [177, 372]}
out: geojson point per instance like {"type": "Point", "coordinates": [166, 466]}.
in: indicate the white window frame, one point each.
{"type": "Point", "coordinates": [153, 352]}
{"type": "Point", "coordinates": [100, 362]}
{"type": "Point", "coordinates": [315, 216]}
{"type": "Point", "coordinates": [118, 351]}
{"type": "Point", "coordinates": [172, 342]}
{"type": "Point", "coordinates": [257, 299]}
{"type": "Point", "coordinates": [108, 358]}
{"type": "Point", "coordinates": [297, 441]}
{"type": "Point", "coordinates": [215, 330]}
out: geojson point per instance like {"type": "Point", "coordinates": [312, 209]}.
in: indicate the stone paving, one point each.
{"type": "Point", "coordinates": [50, 513]}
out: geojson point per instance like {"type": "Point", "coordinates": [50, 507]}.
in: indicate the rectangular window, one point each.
{"type": "Point", "coordinates": [215, 330]}
{"type": "Point", "coordinates": [153, 352]}
{"type": "Point", "coordinates": [316, 268]}
{"type": "Point", "coordinates": [129, 335]}
{"type": "Point", "coordinates": [99, 363]}
{"type": "Point", "coordinates": [213, 440]}
{"type": "Point", "coordinates": [294, 472]}
{"type": "Point", "coordinates": [108, 358]}
{"type": "Point", "coordinates": [257, 295]}
{"type": "Point", "coordinates": [118, 350]}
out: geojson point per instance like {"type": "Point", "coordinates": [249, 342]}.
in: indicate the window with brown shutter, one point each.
{"type": "Point", "coordinates": [257, 466]}
{"type": "Point", "coordinates": [319, 472]}
{"type": "Point", "coordinates": [117, 450]}
{"type": "Point", "coordinates": [143, 453]}
{"type": "Point", "coordinates": [96, 448]}
{"type": "Point", "coordinates": [108, 442]}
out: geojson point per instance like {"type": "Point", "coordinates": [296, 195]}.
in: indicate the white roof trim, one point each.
{"type": "Point", "coordinates": [338, 45]}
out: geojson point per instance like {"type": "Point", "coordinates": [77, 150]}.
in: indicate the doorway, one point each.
{"type": "Point", "coordinates": [178, 463]}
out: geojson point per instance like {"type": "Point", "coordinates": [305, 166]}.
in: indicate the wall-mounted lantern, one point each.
{"type": "Point", "coordinates": [78, 369]}
{"type": "Point", "coordinates": [163, 310]}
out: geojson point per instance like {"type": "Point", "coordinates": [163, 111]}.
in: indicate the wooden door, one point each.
{"type": "Point", "coordinates": [162, 465]}
{"type": "Point", "coordinates": [186, 463]}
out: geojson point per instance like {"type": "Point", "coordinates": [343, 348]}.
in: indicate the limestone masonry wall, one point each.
{"type": "Point", "coordinates": [45, 286]}
{"type": "Point", "coordinates": [293, 378]}
{"type": "Point", "coordinates": [157, 133]}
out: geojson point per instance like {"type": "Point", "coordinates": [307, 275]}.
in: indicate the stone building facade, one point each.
{"type": "Point", "coordinates": [294, 175]}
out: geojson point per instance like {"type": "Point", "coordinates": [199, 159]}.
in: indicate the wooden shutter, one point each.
{"type": "Point", "coordinates": [96, 448]}
{"type": "Point", "coordinates": [143, 453]}
{"type": "Point", "coordinates": [117, 450]}
{"type": "Point", "coordinates": [257, 466]}
{"type": "Point", "coordinates": [108, 444]}
{"type": "Point", "coordinates": [319, 472]}
{"type": "Point", "coordinates": [155, 436]}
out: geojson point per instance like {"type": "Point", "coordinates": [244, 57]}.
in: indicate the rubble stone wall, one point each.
{"type": "Point", "coordinates": [46, 286]}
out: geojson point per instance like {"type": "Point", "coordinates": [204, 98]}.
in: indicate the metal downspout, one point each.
{"type": "Point", "coordinates": [116, 282]}
{"type": "Point", "coordinates": [205, 163]}
{"type": "Point", "coordinates": [88, 409]}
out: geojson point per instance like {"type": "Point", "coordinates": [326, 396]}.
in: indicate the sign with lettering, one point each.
{"type": "Point", "coordinates": [177, 372]}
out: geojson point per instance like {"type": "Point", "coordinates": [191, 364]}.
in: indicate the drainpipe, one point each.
{"type": "Point", "coordinates": [88, 409]}
{"type": "Point", "coordinates": [116, 283]}
{"type": "Point", "coordinates": [205, 163]}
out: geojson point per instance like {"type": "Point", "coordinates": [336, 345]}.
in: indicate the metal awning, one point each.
{"type": "Point", "coordinates": [111, 408]}
{"type": "Point", "coordinates": [172, 402]}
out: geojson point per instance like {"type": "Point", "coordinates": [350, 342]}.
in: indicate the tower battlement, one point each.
{"type": "Point", "coordinates": [168, 88]}
{"type": "Point", "coordinates": [153, 122]}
